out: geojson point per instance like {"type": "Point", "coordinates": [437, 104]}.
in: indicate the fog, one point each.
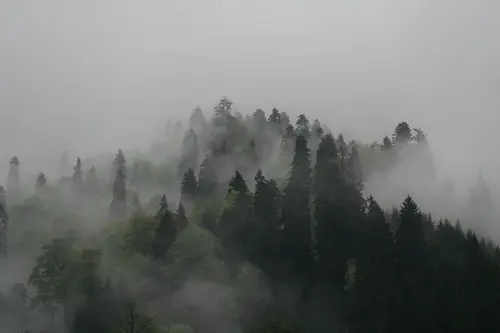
{"type": "Point", "coordinates": [96, 75]}
{"type": "Point", "coordinates": [93, 76]}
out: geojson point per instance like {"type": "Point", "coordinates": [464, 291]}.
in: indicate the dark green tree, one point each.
{"type": "Point", "coordinates": [180, 217]}
{"type": "Point", "coordinates": [166, 232]}
{"type": "Point", "coordinates": [415, 275]}
{"type": "Point", "coordinates": [78, 174]}
{"type": "Point", "coordinates": [297, 249]}
{"type": "Point", "coordinates": [207, 179]}
{"type": "Point", "coordinates": [274, 121]}
{"type": "Point", "coordinates": [374, 297]}
{"type": "Point", "coordinates": [402, 133]}
{"type": "Point", "coordinates": [13, 179]}
{"type": "Point", "coordinates": [302, 126]}
{"type": "Point", "coordinates": [118, 207]}
{"type": "Point", "coordinates": [189, 186]}
{"type": "Point", "coordinates": [234, 226]}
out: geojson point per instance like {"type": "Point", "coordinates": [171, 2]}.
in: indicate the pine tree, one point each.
{"type": "Point", "coordinates": [78, 173]}
{"type": "Point", "coordinates": [190, 150]}
{"type": "Point", "coordinates": [259, 118]}
{"type": "Point", "coordinates": [374, 299]}
{"type": "Point", "coordinates": [189, 186]}
{"type": "Point", "coordinates": [233, 226]}
{"type": "Point", "coordinates": [197, 121]}
{"type": "Point", "coordinates": [386, 143]}
{"type": "Point", "coordinates": [302, 126]}
{"type": "Point", "coordinates": [118, 208]}
{"type": "Point", "coordinates": [207, 179]}
{"type": "Point", "coordinates": [416, 288]}
{"type": "Point", "coordinates": [266, 208]}
{"type": "Point", "coordinates": [295, 216]}
{"type": "Point", "coordinates": [41, 180]}
{"type": "Point", "coordinates": [332, 231]}
{"type": "Point", "coordinates": [354, 170]}
{"type": "Point", "coordinates": [402, 133]}
{"type": "Point", "coordinates": [274, 121]}
{"type": "Point", "coordinates": [13, 179]}
{"type": "Point", "coordinates": [285, 121]}
{"type": "Point", "coordinates": [166, 232]}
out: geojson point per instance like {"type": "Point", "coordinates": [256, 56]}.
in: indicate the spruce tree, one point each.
{"type": "Point", "coordinates": [189, 185]}
{"type": "Point", "coordinates": [354, 170]}
{"type": "Point", "coordinates": [13, 188]}
{"type": "Point", "coordinates": [190, 150]}
{"type": "Point", "coordinates": [118, 207]}
{"type": "Point", "coordinates": [274, 121]}
{"type": "Point", "coordinates": [78, 173]}
{"type": "Point", "coordinates": [416, 285]}
{"type": "Point", "coordinates": [374, 298]}
{"type": "Point", "coordinates": [233, 226]}
{"type": "Point", "coordinates": [302, 126]}
{"type": "Point", "coordinates": [295, 216]}
{"type": "Point", "coordinates": [166, 232]}
{"type": "Point", "coordinates": [402, 133]}
{"type": "Point", "coordinates": [197, 121]}
{"type": "Point", "coordinates": [386, 143]}
{"type": "Point", "coordinates": [331, 229]}
{"type": "Point", "coordinates": [41, 181]}
{"type": "Point", "coordinates": [207, 179]}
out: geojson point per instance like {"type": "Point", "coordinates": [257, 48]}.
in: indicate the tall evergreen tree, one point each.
{"type": "Point", "coordinates": [166, 232]}
{"type": "Point", "coordinates": [234, 223]}
{"type": "Point", "coordinates": [197, 121]}
{"type": "Point", "coordinates": [402, 133]}
{"type": "Point", "coordinates": [189, 185]}
{"type": "Point", "coordinates": [78, 173]}
{"type": "Point", "coordinates": [386, 143]}
{"type": "Point", "coordinates": [190, 150]}
{"type": "Point", "coordinates": [295, 216]}
{"type": "Point", "coordinates": [302, 126]}
{"type": "Point", "coordinates": [416, 285]}
{"type": "Point", "coordinates": [41, 180]}
{"type": "Point", "coordinates": [207, 179]}
{"type": "Point", "coordinates": [274, 121]}
{"type": "Point", "coordinates": [285, 121]}
{"type": "Point", "coordinates": [354, 170]}
{"type": "Point", "coordinates": [118, 208]}
{"type": "Point", "coordinates": [374, 299]}
{"type": "Point", "coordinates": [13, 188]}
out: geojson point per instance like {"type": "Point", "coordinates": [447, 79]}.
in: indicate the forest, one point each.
{"type": "Point", "coordinates": [252, 223]}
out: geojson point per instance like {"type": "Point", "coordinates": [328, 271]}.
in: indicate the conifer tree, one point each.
{"type": "Point", "coordinates": [302, 126]}
{"type": "Point", "coordinates": [386, 143]}
{"type": "Point", "coordinates": [285, 121]}
{"type": "Point", "coordinates": [166, 232]}
{"type": "Point", "coordinates": [354, 171]}
{"type": "Point", "coordinates": [197, 121]}
{"type": "Point", "coordinates": [332, 231]}
{"type": "Point", "coordinates": [402, 133]}
{"type": "Point", "coordinates": [13, 179]}
{"type": "Point", "coordinates": [416, 289]}
{"type": "Point", "coordinates": [295, 216]}
{"type": "Point", "coordinates": [189, 185]}
{"type": "Point", "coordinates": [118, 208]}
{"type": "Point", "coordinates": [233, 226]}
{"type": "Point", "coordinates": [207, 179]}
{"type": "Point", "coordinates": [190, 150]}
{"type": "Point", "coordinates": [78, 173]}
{"type": "Point", "coordinates": [274, 121]}
{"type": "Point", "coordinates": [41, 180]}
{"type": "Point", "coordinates": [374, 299]}
{"type": "Point", "coordinates": [266, 201]}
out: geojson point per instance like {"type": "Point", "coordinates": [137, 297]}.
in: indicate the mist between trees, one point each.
{"type": "Point", "coordinates": [249, 223]}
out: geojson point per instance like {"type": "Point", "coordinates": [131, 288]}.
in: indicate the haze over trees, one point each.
{"type": "Point", "coordinates": [257, 223]}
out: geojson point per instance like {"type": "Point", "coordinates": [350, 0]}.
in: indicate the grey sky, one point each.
{"type": "Point", "coordinates": [98, 74]}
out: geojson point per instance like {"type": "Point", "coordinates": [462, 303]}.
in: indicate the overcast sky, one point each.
{"type": "Point", "coordinates": [97, 74]}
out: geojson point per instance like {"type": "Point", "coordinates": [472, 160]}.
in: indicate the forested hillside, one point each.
{"type": "Point", "coordinates": [256, 223]}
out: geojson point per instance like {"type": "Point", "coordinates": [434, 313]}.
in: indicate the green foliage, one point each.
{"type": "Point", "coordinates": [140, 234]}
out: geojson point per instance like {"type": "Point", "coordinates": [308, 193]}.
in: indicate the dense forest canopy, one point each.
{"type": "Point", "coordinates": [249, 223]}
